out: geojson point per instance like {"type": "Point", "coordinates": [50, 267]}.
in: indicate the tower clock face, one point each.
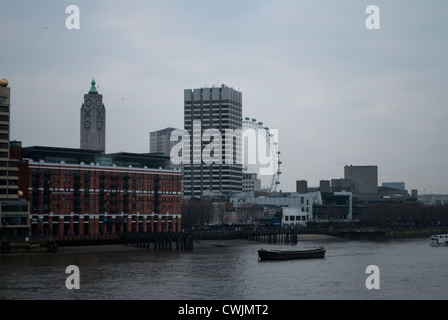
{"type": "Point", "coordinates": [98, 103]}
{"type": "Point", "coordinates": [87, 124]}
{"type": "Point", "coordinates": [88, 102]}
{"type": "Point", "coordinates": [99, 125]}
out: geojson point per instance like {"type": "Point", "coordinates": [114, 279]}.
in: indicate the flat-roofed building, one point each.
{"type": "Point", "coordinates": [14, 211]}
{"type": "Point", "coordinates": [251, 182]}
{"type": "Point", "coordinates": [217, 111]}
{"type": "Point", "coordinates": [159, 142]}
{"type": "Point", "coordinates": [79, 192]}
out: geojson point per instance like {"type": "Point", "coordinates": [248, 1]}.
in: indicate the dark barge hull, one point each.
{"type": "Point", "coordinates": [290, 255]}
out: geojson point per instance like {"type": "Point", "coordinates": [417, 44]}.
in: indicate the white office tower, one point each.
{"type": "Point", "coordinates": [213, 120]}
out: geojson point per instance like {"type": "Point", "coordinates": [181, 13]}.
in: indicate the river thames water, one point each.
{"type": "Point", "coordinates": [408, 269]}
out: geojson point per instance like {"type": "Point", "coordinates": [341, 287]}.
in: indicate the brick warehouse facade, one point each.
{"type": "Point", "coordinates": [84, 192]}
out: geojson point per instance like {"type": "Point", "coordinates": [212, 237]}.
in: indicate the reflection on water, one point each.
{"type": "Point", "coordinates": [409, 269]}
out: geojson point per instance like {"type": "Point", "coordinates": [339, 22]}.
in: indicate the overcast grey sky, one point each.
{"type": "Point", "coordinates": [337, 92]}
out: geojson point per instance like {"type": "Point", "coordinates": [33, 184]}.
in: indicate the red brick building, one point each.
{"type": "Point", "coordinates": [84, 192]}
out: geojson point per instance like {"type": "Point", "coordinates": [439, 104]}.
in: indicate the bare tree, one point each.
{"type": "Point", "coordinates": [406, 215]}
{"type": "Point", "coordinates": [197, 212]}
{"type": "Point", "coordinates": [222, 212]}
{"type": "Point", "coordinates": [248, 212]}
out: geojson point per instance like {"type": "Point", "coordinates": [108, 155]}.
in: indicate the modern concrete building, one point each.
{"type": "Point", "coordinates": [93, 121]}
{"type": "Point", "coordinates": [394, 185]}
{"type": "Point", "coordinates": [336, 206]}
{"type": "Point", "coordinates": [14, 211]}
{"type": "Point", "coordinates": [325, 186]}
{"type": "Point", "coordinates": [212, 118]}
{"type": "Point", "coordinates": [251, 182]}
{"type": "Point", "coordinates": [301, 186]}
{"type": "Point", "coordinates": [338, 185]}
{"type": "Point", "coordinates": [306, 200]}
{"type": "Point", "coordinates": [159, 142]}
{"type": "Point", "coordinates": [296, 216]}
{"type": "Point", "coordinates": [364, 179]}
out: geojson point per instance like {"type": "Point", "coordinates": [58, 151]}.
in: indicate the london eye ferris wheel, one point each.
{"type": "Point", "coordinates": [261, 153]}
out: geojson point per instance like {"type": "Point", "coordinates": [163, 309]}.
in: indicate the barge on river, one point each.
{"type": "Point", "coordinates": [312, 253]}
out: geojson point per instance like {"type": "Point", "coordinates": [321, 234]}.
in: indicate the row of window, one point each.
{"type": "Point", "coordinates": [76, 217]}
{"type": "Point", "coordinates": [198, 175]}
{"type": "Point", "coordinates": [223, 188]}
{"type": "Point", "coordinates": [295, 218]}
{"type": "Point", "coordinates": [213, 122]}
{"type": "Point", "coordinates": [9, 173]}
{"type": "Point", "coordinates": [215, 169]}
{"type": "Point", "coordinates": [69, 180]}
{"type": "Point", "coordinates": [100, 191]}
{"type": "Point", "coordinates": [14, 220]}
{"type": "Point", "coordinates": [55, 206]}
{"type": "Point", "coordinates": [46, 171]}
{"type": "Point", "coordinates": [212, 110]}
{"type": "Point", "coordinates": [213, 116]}
{"type": "Point", "coordinates": [106, 196]}
{"type": "Point", "coordinates": [214, 105]}
{"type": "Point", "coordinates": [8, 191]}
